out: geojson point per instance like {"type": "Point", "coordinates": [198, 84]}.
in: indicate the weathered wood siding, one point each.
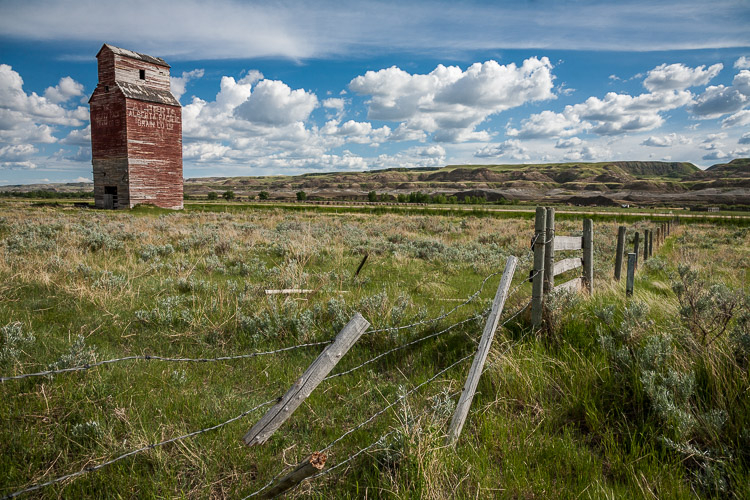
{"type": "Point", "coordinates": [109, 143]}
{"type": "Point", "coordinates": [155, 153]}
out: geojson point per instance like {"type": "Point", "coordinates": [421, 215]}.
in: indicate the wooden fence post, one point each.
{"type": "Point", "coordinates": [309, 466]}
{"type": "Point", "coordinates": [646, 232]}
{"type": "Point", "coordinates": [658, 236]}
{"type": "Point", "coordinates": [620, 250]}
{"type": "Point", "coordinates": [588, 255]}
{"type": "Point", "coordinates": [306, 384]}
{"type": "Point", "coordinates": [636, 247]}
{"type": "Point", "coordinates": [537, 288]}
{"type": "Point", "coordinates": [630, 280]}
{"type": "Point", "coordinates": [651, 243]}
{"type": "Point", "coordinates": [470, 387]}
{"type": "Point", "coordinates": [549, 252]}
{"type": "Point", "coordinates": [361, 264]}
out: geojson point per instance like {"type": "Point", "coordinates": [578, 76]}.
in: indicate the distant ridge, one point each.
{"type": "Point", "coordinates": [614, 182]}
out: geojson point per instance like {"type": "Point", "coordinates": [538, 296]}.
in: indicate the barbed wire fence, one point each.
{"type": "Point", "coordinates": [148, 357]}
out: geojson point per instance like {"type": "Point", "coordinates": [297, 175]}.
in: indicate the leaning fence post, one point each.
{"type": "Point", "coordinates": [620, 251]}
{"type": "Point", "coordinates": [588, 255]}
{"type": "Point", "coordinates": [467, 395]}
{"type": "Point", "coordinates": [549, 252]}
{"type": "Point", "coordinates": [632, 258]}
{"type": "Point", "coordinates": [537, 289]}
{"type": "Point", "coordinates": [636, 246]}
{"type": "Point", "coordinates": [306, 384]}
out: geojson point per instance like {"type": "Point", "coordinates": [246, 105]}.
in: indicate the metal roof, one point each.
{"type": "Point", "coordinates": [135, 55]}
{"type": "Point", "coordinates": [149, 94]}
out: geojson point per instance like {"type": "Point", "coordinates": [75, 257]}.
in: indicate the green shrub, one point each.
{"type": "Point", "coordinates": [707, 309]}
{"type": "Point", "coordinates": [79, 354]}
{"type": "Point", "coordinates": [12, 341]}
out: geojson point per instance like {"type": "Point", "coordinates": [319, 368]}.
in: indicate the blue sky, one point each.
{"type": "Point", "coordinates": [298, 86]}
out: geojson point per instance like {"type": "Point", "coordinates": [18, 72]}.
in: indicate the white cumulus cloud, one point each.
{"type": "Point", "coordinates": [512, 148]}
{"type": "Point", "coordinates": [718, 100]}
{"type": "Point", "coordinates": [275, 103]}
{"type": "Point", "coordinates": [742, 82]}
{"type": "Point", "coordinates": [32, 107]}
{"type": "Point", "coordinates": [568, 143]}
{"type": "Point", "coordinates": [449, 102]}
{"type": "Point", "coordinates": [613, 115]}
{"type": "Point", "coordinates": [742, 63]}
{"type": "Point", "coordinates": [66, 89]}
{"type": "Point", "coordinates": [178, 84]}
{"type": "Point", "coordinates": [739, 119]}
{"type": "Point", "coordinates": [665, 141]}
{"type": "Point", "coordinates": [679, 76]}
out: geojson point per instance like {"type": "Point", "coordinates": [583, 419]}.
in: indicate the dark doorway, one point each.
{"type": "Point", "coordinates": [110, 197]}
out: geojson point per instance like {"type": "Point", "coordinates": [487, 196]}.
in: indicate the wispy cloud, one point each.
{"type": "Point", "coordinates": [297, 29]}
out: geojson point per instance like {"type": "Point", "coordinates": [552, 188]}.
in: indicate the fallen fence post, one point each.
{"type": "Point", "coordinates": [306, 384]}
{"type": "Point", "coordinates": [588, 255]}
{"type": "Point", "coordinates": [620, 250]}
{"type": "Point", "coordinates": [549, 252]}
{"type": "Point", "coordinates": [537, 289]}
{"type": "Point", "coordinates": [309, 466]}
{"type": "Point", "coordinates": [636, 247]}
{"type": "Point", "coordinates": [632, 258]}
{"type": "Point", "coordinates": [470, 387]}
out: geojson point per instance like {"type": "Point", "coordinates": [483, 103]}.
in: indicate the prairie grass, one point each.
{"type": "Point", "coordinates": [612, 399]}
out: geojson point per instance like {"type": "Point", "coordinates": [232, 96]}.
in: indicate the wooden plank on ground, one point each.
{"type": "Point", "coordinates": [567, 264]}
{"type": "Point", "coordinates": [572, 285]}
{"type": "Point", "coordinates": [568, 243]}
{"type": "Point", "coordinates": [288, 291]}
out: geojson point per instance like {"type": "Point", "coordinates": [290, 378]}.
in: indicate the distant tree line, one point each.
{"type": "Point", "coordinates": [414, 197]}
{"type": "Point", "coordinates": [46, 194]}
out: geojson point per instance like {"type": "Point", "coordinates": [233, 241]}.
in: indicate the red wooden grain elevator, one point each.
{"type": "Point", "coordinates": [136, 132]}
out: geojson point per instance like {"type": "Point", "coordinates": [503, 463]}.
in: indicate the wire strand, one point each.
{"type": "Point", "coordinates": [86, 470]}
{"type": "Point", "coordinates": [150, 357]}
{"type": "Point", "coordinates": [442, 316]}
{"type": "Point", "coordinates": [404, 346]}
{"type": "Point", "coordinates": [373, 444]}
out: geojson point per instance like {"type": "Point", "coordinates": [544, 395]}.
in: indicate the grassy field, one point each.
{"type": "Point", "coordinates": [613, 399]}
